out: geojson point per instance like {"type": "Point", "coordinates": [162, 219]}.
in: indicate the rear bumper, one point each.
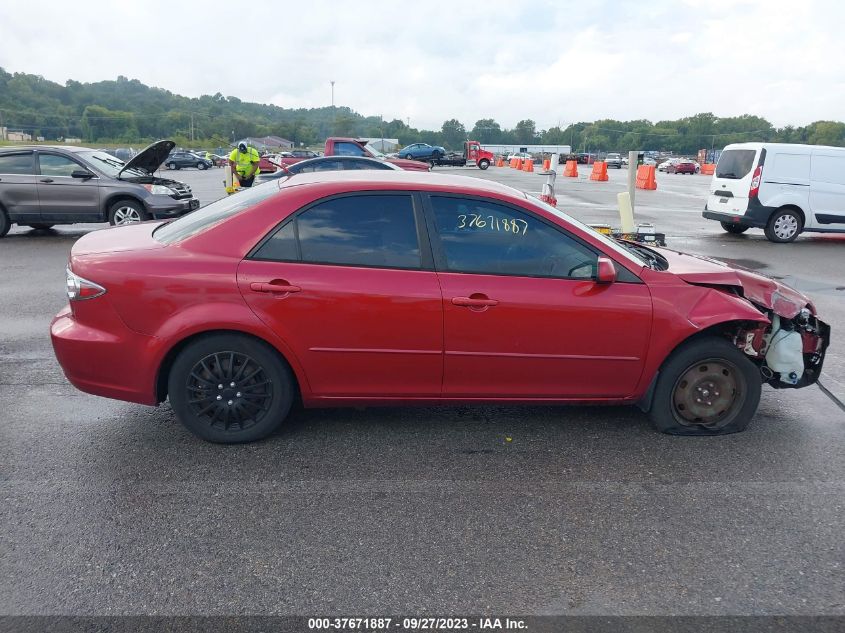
{"type": "Point", "coordinates": [108, 359]}
{"type": "Point", "coordinates": [756, 215]}
{"type": "Point", "coordinates": [167, 207]}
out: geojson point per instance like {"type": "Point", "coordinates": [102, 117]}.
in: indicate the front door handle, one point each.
{"type": "Point", "coordinates": [46, 180]}
{"type": "Point", "coordinates": [475, 301]}
{"type": "Point", "coordinates": [275, 287]}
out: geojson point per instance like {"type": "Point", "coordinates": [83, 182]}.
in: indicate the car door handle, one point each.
{"type": "Point", "coordinates": [46, 180]}
{"type": "Point", "coordinates": [280, 287]}
{"type": "Point", "coordinates": [474, 302]}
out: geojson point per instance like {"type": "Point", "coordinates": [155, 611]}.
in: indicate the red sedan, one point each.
{"type": "Point", "coordinates": [681, 167]}
{"type": "Point", "coordinates": [364, 288]}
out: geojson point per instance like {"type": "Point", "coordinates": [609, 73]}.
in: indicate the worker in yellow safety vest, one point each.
{"type": "Point", "coordinates": [244, 162]}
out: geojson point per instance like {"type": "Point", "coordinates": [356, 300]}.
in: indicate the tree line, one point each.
{"type": "Point", "coordinates": [128, 111]}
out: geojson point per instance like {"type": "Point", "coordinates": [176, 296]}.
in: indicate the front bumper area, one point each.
{"type": "Point", "coordinates": [107, 358]}
{"type": "Point", "coordinates": [168, 208]}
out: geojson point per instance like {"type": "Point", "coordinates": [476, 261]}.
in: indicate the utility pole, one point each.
{"type": "Point", "coordinates": [192, 127]}
{"type": "Point", "coordinates": [332, 83]}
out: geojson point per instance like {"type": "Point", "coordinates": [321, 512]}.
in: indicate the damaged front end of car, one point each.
{"type": "Point", "coordinates": [789, 351]}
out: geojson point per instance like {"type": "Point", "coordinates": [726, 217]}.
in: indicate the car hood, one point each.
{"type": "Point", "coordinates": [409, 165]}
{"type": "Point", "coordinates": [150, 158]}
{"type": "Point", "coordinates": [759, 289]}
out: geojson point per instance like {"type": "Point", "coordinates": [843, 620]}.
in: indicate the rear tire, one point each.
{"type": "Point", "coordinates": [706, 387]}
{"type": "Point", "coordinates": [408, 157]}
{"type": "Point", "coordinates": [172, 166]}
{"type": "Point", "coordinates": [203, 398]}
{"type": "Point", "coordinates": [784, 226]}
{"type": "Point", "coordinates": [736, 229]}
{"type": "Point", "coordinates": [5, 224]}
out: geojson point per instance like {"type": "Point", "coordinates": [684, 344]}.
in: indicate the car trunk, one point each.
{"type": "Point", "coordinates": [732, 181]}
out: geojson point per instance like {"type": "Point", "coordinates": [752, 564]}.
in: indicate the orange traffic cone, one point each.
{"type": "Point", "coordinates": [571, 169]}
{"type": "Point", "coordinates": [500, 162]}
{"type": "Point", "coordinates": [529, 165]}
{"type": "Point", "coordinates": [547, 164]}
{"type": "Point", "coordinates": [599, 171]}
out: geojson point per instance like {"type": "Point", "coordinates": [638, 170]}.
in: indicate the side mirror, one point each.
{"type": "Point", "coordinates": [605, 271]}
{"type": "Point", "coordinates": [84, 174]}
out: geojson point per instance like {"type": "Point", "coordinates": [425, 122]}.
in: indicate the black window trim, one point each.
{"type": "Point", "coordinates": [21, 152]}
{"type": "Point", "coordinates": [70, 157]}
{"type": "Point", "coordinates": [624, 275]}
{"type": "Point", "coordinates": [426, 255]}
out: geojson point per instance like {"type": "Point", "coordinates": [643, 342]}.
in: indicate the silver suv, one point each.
{"type": "Point", "coordinates": [42, 186]}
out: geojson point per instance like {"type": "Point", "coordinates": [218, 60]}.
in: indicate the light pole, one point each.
{"type": "Point", "coordinates": [332, 83]}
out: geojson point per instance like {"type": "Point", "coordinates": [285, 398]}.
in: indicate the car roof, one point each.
{"type": "Point", "coordinates": [67, 148]}
{"type": "Point", "coordinates": [402, 179]}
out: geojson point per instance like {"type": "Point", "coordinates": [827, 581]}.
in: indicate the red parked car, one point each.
{"type": "Point", "coordinates": [365, 287]}
{"type": "Point", "coordinates": [681, 167]}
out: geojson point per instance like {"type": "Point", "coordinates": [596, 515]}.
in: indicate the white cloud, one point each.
{"type": "Point", "coordinates": [548, 61]}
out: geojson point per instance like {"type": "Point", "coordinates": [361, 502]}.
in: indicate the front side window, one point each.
{"type": "Point", "coordinates": [21, 163]}
{"type": "Point", "coordinates": [55, 165]}
{"type": "Point", "coordinates": [484, 237]}
{"type": "Point", "coordinates": [361, 230]}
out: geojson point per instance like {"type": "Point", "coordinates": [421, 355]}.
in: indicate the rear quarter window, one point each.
{"type": "Point", "coordinates": [735, 164]}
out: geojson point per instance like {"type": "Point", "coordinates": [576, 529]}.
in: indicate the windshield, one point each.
{"type": "Point", "coordinates": [735, 164]}
{"type": "Point", "coordinates": [375, 152]}
{"type": "Point", "coordinates": [108, 164]}
{"type": "Point", "coordinates": [193, 223]}
{"type": "Point", "coordinates": [630, 254]}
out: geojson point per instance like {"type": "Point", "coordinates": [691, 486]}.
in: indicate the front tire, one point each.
{"type": "Point", "coordinates": [201, 166]}
{"type": "Point", "coordinates": [706, 387]}
{"type": "Point", "coordinates": [125, 212]}
{"type": "Point", "coordinates": [483, 163]}
{"type": "Point", "coordinates": [736, 229]}
{"type": "Point", "coordinates": [784, 226]}
{"type": "Point", "coordinates": [230, 388]}
{"type": "Point", "coordinates": [408, 157]}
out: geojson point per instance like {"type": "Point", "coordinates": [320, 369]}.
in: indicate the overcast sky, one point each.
{"type": "Point", "coordinates": [554, 62]}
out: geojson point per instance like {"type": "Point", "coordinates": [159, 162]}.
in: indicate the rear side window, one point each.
{"type": "Point", "coordinates": [488, 238]}
{"type": "Point", "coordinates": [735, 164]}
{"type": "Point", "coordinates": [366, 230]}
{"type": "Point", "coordinates": [22, 163]}
{"type": "Point", "coordinates": [345, 148]}
{"type": "Point", "coordinates": [201, 219]}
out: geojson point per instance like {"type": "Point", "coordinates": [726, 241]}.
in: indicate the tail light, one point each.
{"type": "Point", "coordinates": [79, 288]}
{"type": "Point", "coordinates": [755, 182]}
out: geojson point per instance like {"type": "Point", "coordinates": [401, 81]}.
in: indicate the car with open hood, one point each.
{"type": "Point", "coordinates": [41, 186]}
{"type": "Point", "coordinates": [351, 288]}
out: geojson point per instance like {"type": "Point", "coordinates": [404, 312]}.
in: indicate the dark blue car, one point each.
{"type": "Point", "coordinates": [422, 151]}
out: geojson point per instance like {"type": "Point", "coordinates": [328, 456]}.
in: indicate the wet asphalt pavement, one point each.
{"type": "Point", "coordinates": [111, 508]}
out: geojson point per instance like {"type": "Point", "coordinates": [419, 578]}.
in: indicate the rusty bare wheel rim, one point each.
{"type": "Point", "coordinates": [708, 394]}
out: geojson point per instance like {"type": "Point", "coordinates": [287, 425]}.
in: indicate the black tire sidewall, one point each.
{"type": "Point", "coordinates": [483, 163]}
{"type": "Point", "coordinates": [277, 371]}
{"type": "Point", "coordinates": [736, 229]}
{"type": "Point", "coordinates": [706, 347]}
{"type": "Point", "coordinates": [5, 223]}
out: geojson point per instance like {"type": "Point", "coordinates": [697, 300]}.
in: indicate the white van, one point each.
{"type": "Point", "coordinates": [781, 188]}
